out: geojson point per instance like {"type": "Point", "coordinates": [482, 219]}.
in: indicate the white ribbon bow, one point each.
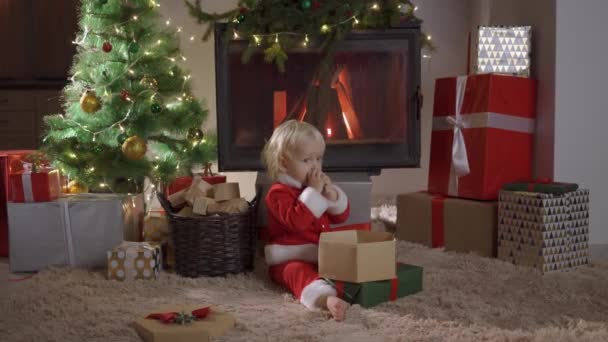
{"type": "Point", "coordinates": [460, 161]}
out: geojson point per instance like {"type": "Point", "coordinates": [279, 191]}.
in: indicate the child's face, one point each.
{"type": "Point", "coordinates": [306, 156]}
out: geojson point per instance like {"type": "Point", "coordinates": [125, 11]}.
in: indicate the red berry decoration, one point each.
{"type": "Point", "coordinates": [316, 5]}
{"type": "Point", "coordinates": [243, 10]}
{"type": "Point", "coordinates": [106, 47]}
{"type": "Point", "coordinates": [124, 94]}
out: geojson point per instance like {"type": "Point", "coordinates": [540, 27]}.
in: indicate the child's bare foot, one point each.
{"type": "Point", "coordinates": [337, 307]}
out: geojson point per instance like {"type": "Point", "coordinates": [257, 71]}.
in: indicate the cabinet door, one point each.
{"type": "Point", "coordinates": [54, 29]}
{"type": "Point", "coordinates": [15, 39]}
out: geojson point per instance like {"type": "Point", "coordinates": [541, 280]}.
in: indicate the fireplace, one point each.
{"type": "Point", "coordinates": [366, 101]}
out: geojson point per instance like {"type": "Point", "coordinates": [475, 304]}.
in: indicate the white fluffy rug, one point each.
{"type": "Point", "coordinates": [465, 298]}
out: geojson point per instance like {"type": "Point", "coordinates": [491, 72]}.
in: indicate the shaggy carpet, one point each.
{"type": "Point", "coordinates": [465, 298]}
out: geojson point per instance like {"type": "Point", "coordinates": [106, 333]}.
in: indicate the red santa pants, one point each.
{"type": "Point", "coordinates": [302, 279]}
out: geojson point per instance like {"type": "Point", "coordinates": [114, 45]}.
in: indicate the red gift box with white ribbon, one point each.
{"type": "Point", "coordinates": [482, 135]}
{"type": "Point", "coordinates": [40, 186]}
{"type": "Point", "coordinates": [10, 161]}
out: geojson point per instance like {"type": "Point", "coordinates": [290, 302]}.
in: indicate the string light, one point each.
{"type": "Point", "coordinates": [236, 35]}
{"type": "Point", "coordinates": [92, 169]}
{"type": "Point", "coordinates": [356, 21]}
{"type": "Point", "coordinates": [415, 8]}
{"type": "Point", "coordinates": [375, 6]}
{"type": "Point", "coordinates": [325, 28]}
{"type": "Point", "coordinates": [305, 43]}
{"type": "Point", "coordinates": [276, 38]}
{"type": "Point", "coordinates": [135, 17]}
{"type": "Point", "coordinates": [168, 22]}
{"type": "Point", "coordinates": [103, 185]}
{"type": "Point", "coordinates": [257, 39]}
{"type": "Point", "coordinates": [191, 38]}
{"type": "Point", "coordinates": [179, 29]}
{"type": "Point", "coordinates": [428, 37]}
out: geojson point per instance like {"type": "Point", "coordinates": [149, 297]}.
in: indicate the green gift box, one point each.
{"type": "Point", "coordinates": [372, 293]}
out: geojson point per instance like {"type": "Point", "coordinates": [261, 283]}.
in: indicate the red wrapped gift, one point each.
{"type": "Point", "coordinates": [482, 134]}
{"type": "Point", "coordinates": [43, 186]}
{"type": "Point", "coordinates": [182, 183]}
{"type": "Point", "coordinates": [10, 161]}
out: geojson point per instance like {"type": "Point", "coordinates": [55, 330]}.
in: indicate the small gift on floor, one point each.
{"type": "Point", "coordinates": [134, 260]}
{"type": "Point", "coordinates": [367, 294]}
{"type": "Point", "coordinates": [544, 231]}
{"type": "Point", "coordinates": [156, 227]}
{"type": "Point", "coordinates": [184, 323]}
{"type": "Point", "coordinates": [459, 225]}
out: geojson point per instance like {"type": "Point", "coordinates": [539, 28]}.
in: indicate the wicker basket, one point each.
{"type": "Point", "coordinates": [213, 245]}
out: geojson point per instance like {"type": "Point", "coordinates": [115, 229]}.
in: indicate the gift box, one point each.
{"type": "Point", "coordinates": [210, 323]}
{"type": "Point", "coordinates": [134, 260]}
{"type": "Point", "coordinates": [408, 281]}
{"type": "Point", "coordinates": [544, 231]}
{"type": "Point", "coordinates": [457, 224]}
{"type": "Point", "coordinates": [75, 230]}
{"type": "Point", "coordinates": [482, 134]}
{"type": "Point", "coordinates": [156, 226]}
{"type": "Point", "coordinates": [182, 183]}
{"type": "Point", "coordinates": [543, 186]}
{"type": "Point", "coordinates": [10, 162]}
{"type": "Point", "coordinates": [43, 186]}
{"type": "Point", "coordinates": [357, 256]}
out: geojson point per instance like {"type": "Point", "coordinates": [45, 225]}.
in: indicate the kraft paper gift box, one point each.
{"type": "Point", "coordinates": [74, 231]}
{"type": "Point", "coordinates": [215, 324]}
{"type": "Point", "coordinates": [357, 256]}
{"type": "Point", "coordinates": [482, 134]}
{"type": "Point", "coordinates": [10, 162]}
{"type": "Point", "coordinates": [544, 231]}
{"type": "Point", "coordinates": [367, 294]}
{"type": "Point", "coordinates": [134, 260]}
{"type": "Point", "coordinates": [457, 224]}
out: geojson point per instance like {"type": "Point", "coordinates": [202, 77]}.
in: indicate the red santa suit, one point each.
{"type": "Point", "coordinates": [296, 218]}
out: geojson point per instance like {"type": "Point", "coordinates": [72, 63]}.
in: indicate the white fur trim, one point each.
{"type": "Point", "coordinates": [278, 254]}
{"type": "Point", "coordinates": [288, 180]}
{"type": "Point", "coordinates": [313, 291]}
{"type": "Point", "coordinates": [338, 206]}
{"type": "Point", "coordinates": [314, 201]}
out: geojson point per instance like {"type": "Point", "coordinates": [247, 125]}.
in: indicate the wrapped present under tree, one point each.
{"type": "Point", "coordinates": [482, 134]}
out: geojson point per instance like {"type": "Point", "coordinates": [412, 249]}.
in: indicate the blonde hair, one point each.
{"type": "Point", "coordinates": [283, 142]}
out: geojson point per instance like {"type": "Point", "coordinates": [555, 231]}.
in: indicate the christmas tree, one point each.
{"type": "Point", "coordinates": [129, 112]}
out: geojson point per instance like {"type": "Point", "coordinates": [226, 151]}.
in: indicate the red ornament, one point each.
{"type": "Point", "coordinates": [243, 10]}
{"type": "Point", "coordinates": [124, 94]}
{"type": "Point", "coordinates": [107, 47]}
{"type": "Point", "coordinates": [316, 5]}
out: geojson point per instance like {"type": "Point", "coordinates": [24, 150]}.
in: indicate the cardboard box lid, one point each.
{"type": "Point", "coordinates": [214, 325]}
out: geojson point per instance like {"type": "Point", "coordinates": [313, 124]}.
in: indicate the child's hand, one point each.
{"type": "Point", "coordinates": [329, 191]}
{"type": "Point", "coordinates": [315, 180]}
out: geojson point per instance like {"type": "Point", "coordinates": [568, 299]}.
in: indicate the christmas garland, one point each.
{"type": "Point", "coordinates": [276, 26]}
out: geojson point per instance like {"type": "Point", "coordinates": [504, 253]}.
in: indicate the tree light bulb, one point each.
{"type": "Point", "coordinates": [159, 42]}
{"type": "Point", "coordinates": [168, 22]}
{"type": "Point", "coordinates": [415, 8]}
{"type": "Point", "coordinates": [257, 39]}
{"type": "Point", "coordinates": [375, 6]}
{"type": "Point", "coordinates": [276, 38]}
{"type": "Point", "coordinates": [179, 29]}
{"type": "Point", "coordinates": [236, 35]}
{"type": "Point", "coordinates": [356, 21]}
{"type": "Point", "coordinates": [135, 17]}
{"type": "Point", "coordinates": [325, 28]}
{"type": "Point", "coordinates": [191, 38]}
{"type": "Point", "coordinates": [92, 169]}
{"type": "Point", "coordinates": [428, 37]}
{"type": "Point", "coordinates": [103, 185]}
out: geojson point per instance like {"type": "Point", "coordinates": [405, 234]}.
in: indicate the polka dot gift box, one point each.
{"type": "Point", "coordinates": [134, 260]}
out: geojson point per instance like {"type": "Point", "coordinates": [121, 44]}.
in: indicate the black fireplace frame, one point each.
{"type": "Point", "coordinates": [338, 158]}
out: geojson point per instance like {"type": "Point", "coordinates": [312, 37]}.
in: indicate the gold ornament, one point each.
{"type": "Point", "coordinates": [149, 82]}
{"type": "Point", "coordinates": [89, 102]}
{"type": "Point", "coordinates": [134, 148]}
{"type": "Point", "coordinates": [75, 187]}
{"type": "Point", "coordinates": [195, 134]}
